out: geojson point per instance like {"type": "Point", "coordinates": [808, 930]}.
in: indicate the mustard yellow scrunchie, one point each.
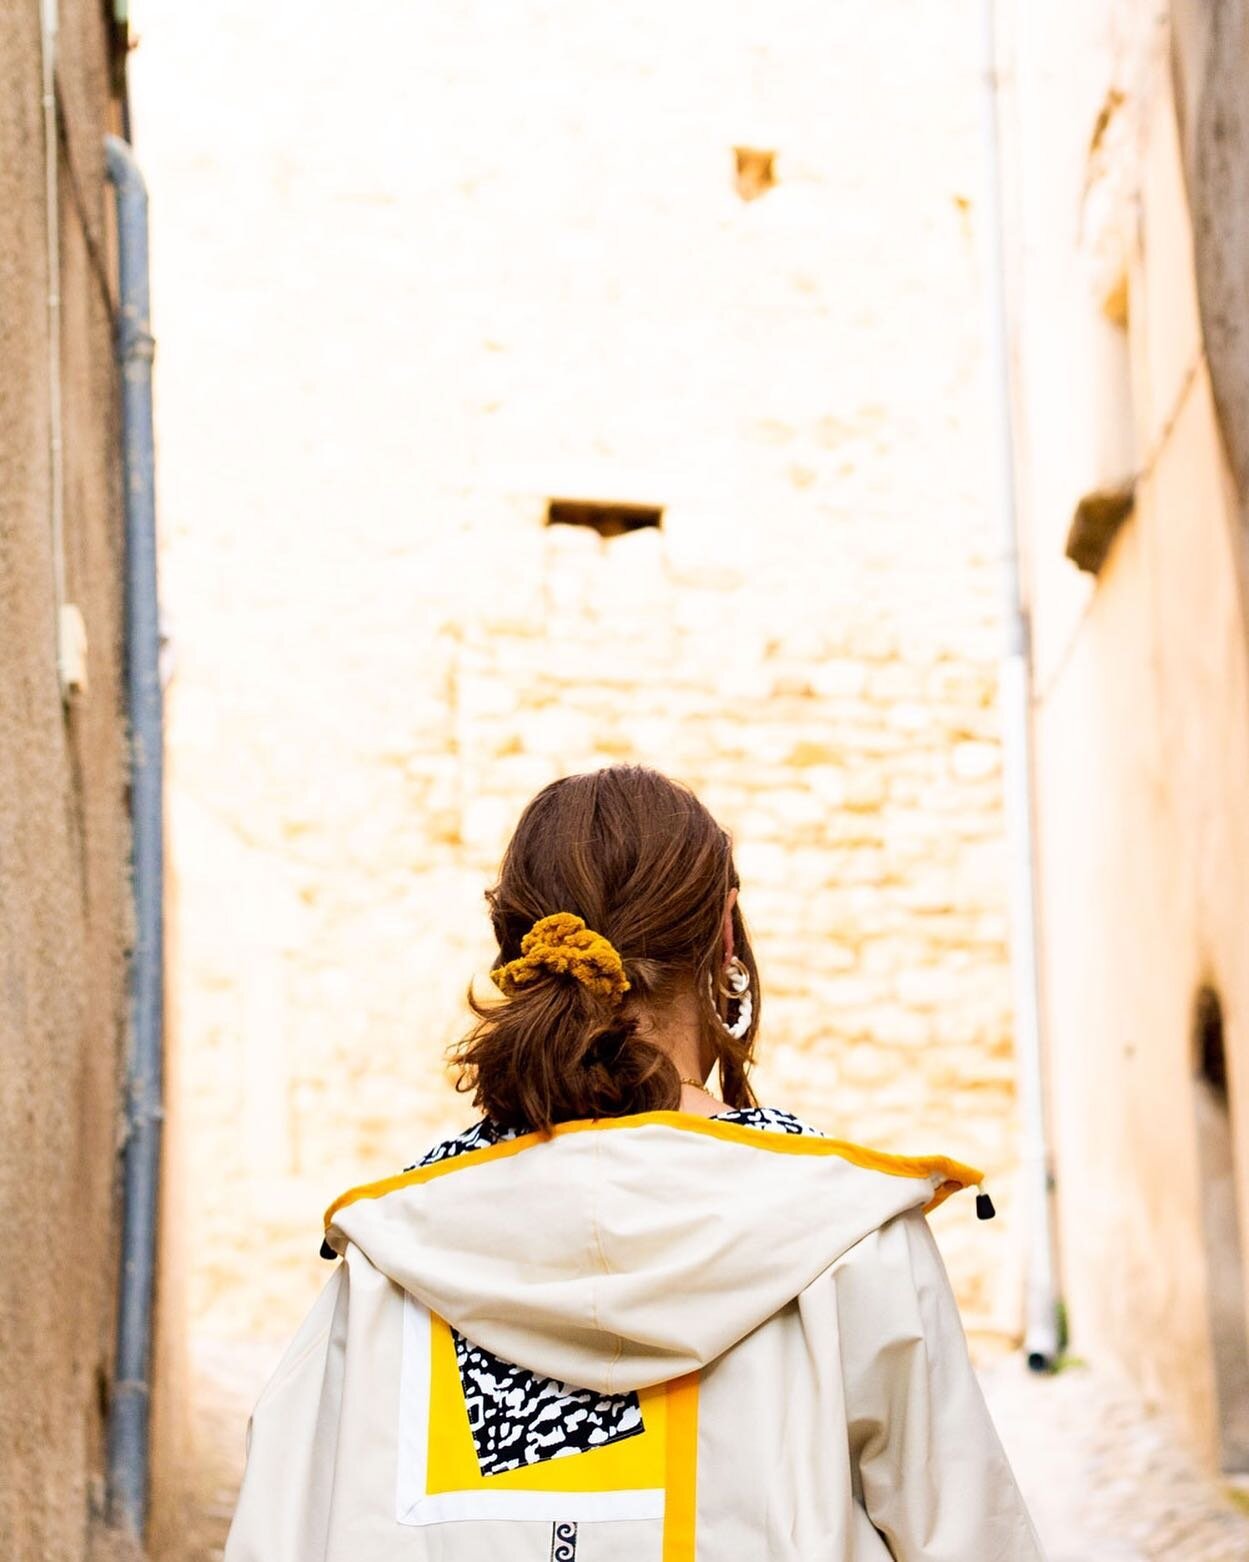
{"type": "Point", "coordinates": [563, 944]}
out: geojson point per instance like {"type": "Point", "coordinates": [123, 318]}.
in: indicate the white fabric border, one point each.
{"type": "Point", "coordinates": [415, 1505]}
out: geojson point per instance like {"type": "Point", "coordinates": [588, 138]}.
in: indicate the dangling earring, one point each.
{"type": "Point", "coordinates": [735, 984]}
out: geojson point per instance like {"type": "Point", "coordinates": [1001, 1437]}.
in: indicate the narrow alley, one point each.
{"type": "Point", "coordinates": [836, 408]}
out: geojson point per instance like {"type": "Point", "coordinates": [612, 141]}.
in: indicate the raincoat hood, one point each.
{"type": "Point", "coordinates": [621, 1253]}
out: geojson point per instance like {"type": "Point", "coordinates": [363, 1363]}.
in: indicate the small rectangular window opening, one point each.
{"type": "Point", "coordinates": [608, 517]}
{"type": "Point", "coordinates": [754, 172]}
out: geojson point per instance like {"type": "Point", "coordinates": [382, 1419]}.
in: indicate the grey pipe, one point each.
{"type": "Point", "coordinates": [49, 25]}
{"type": "Point", "coordinates": [1041, 1332]}
{"type": "Point", "coordinates": [130, 1410]}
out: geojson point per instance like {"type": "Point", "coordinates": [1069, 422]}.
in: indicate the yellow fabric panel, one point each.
{"type": "Point", "coordinates": [681, 1476]}
{"type": "Point", "coordinates": [636, 1463]}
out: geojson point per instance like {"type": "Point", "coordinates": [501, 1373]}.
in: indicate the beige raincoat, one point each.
{"type": "Point", "coordinates": [778, 1304]}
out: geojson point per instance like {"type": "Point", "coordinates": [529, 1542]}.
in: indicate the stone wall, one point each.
{"type": "Point", "coordinates": [63, 829]}
{"type": "Point", "coordinates": [425, 276]}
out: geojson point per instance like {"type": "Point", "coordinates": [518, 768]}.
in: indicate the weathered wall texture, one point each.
{"type": "Point", "coordinates": [469, 259]}
{"type": "Point", "coordinates": [63, 832]}
{"type": "Point", "coordinates": [1142, 697]}
{"type": "Point", "coordinates": [1210, 65]}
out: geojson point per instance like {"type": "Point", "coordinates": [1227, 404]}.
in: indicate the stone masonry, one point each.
{"type": "Point", "coordinates": [427, 275]}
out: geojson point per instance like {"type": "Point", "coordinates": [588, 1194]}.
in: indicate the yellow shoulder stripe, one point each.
{"type": "Point", "coordinates": [954, 1174]}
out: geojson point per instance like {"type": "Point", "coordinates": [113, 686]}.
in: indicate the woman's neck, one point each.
{"type": "Point", "coordinates": [677, 1029]}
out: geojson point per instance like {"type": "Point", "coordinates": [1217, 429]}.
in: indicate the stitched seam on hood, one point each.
{"type": "Point", "coordinates": [604, 1266]}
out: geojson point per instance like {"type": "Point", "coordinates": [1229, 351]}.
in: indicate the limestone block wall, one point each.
{"type": "Point", "coordinates": [418, 281]}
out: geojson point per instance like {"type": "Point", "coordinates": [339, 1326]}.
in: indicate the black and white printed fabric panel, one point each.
{"type": "Point", "coordinates": [519, 1418]}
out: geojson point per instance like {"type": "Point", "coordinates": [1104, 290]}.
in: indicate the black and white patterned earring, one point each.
{"type": "Point", "coordinates": [735, 983]}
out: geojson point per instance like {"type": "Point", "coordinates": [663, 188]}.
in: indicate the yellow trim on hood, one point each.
{"type": "Point", "coordinates": [954, 1174]}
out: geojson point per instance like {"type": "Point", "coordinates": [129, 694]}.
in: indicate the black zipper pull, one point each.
{"type": "Point", "coordinates": [984, 1204]}
{"type": "Point", "coordinates": [326, 1250]}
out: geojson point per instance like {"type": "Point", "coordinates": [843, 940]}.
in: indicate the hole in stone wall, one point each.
{"type": "Point", "coordinates": [755, 171]}
{"type": "Point", "coordinates": [1220, 1217]}
{"type": "Point", "coordinates": [1096, 522]}
{"type": "Point", "coordinates": [1208, 1042]}
{"type": "Point", "coordinates": [608, 517]}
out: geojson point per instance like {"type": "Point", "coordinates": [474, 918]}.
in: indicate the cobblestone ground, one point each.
{"type": "Point", "coordinates": [1103, 1473]}
{"type": "Point", "coordinates": [226, 1378]}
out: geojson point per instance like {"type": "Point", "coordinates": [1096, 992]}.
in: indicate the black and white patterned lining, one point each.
{"type": "Point", "coordinates": [520, 1418]}
{"type": "Point", "coordinates": [475, 1138]}
{"type": "Point", "coordinates": [773, 1117]}
{"type": "Point", "coordinates": [484, 1132]}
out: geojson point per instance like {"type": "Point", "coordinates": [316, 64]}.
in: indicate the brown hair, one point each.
{"type": "Point", "coordinates": [643, 862]}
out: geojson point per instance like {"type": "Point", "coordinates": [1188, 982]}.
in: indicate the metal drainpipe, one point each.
{"type": "Point", "coordinates": [1041, 1335]}
{"type": "Point", "coordinates": [48, 35]}
{"type": "Point", "coordinates": [129, 1416]}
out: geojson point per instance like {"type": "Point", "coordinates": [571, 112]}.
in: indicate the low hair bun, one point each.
{"type": "Point", "coordinates": [555, 1050]}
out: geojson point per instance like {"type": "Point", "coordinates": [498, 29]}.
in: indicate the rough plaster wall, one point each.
{"type": "Point", "coordinates": [470, 258]}
{"type": "Point", "coordinates": [1143, 708]}
{"type": "Point", "coordinates": [62, 829]}
{"type": "Point", "coordinates": [1210, 66]}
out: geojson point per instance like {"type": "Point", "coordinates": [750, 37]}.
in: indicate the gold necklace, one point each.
{"type": "Point", "coordinates": [698, 1084]}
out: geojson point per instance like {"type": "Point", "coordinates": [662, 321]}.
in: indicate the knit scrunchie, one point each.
{"type": "Point", "coordinates": [564, 945]}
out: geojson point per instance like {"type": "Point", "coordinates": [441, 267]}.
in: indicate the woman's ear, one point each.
{"type": "Point", "coordinates": [726, 928]}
